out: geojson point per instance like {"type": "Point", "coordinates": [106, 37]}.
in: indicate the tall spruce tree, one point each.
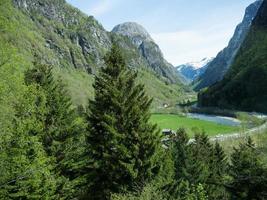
{"type": "Point", "coordinates": [122, 143]}
{"type": "Point", "coordinates": [218, 176]}
{"type": "Point", "coordinates": [63, 130]}
{"type": "Point", "coordinates": [179, 153]}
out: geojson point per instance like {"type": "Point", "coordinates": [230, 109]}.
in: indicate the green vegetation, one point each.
{"type": "Point", "coordinates": [174, 122]}
{"type": "Point", "coordinates": [260, 140]}
{"type": "Point", "coordinates": [51, 148]}
{"type": "Point", "coordinates": [119, 160]}
{"type": "Point", "coordinates": [244, 86]}
{"type": "Point", "coordinates": [78, 83]}
{"type": "Point", "coordinates": [162, 93]}
{"type": "Point", "coordinates": [64, 44]}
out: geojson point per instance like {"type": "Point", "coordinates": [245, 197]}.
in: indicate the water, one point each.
{"type": "Point", "coordinates": [229, 121]}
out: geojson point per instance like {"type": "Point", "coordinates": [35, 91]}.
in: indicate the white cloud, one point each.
{"type": "Point", "coordinates": [192, 45]}
{"type": "Point", "coordinates": [100, 8]}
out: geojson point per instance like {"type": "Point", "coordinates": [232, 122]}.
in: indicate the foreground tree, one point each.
{"type": "Point", "coordinates": [121, 141]}
{"type": "Point", "coordinates": [62, 133]}
{"type": "Point", "coordinates": [198, 162]}
{"type": "Point", "coordinates": [26, 171]}
{"type": "Point", "coordinates": [248, 172]}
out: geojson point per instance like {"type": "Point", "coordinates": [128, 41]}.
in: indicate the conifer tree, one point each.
{"type": "Point", "coordinates": [220, 163]}
{"type": "Point", "coordinates": [63, 131]}
{"type": "Point", "coordinates": [198, 162]}
{"type": "Point", "coordinates": [248, 172]}
{"type": "Point", "coordinates": [199, 154]}
{"type": "Point", "coordinates": [26, 171]}
{"type": "Point", "coordinates": [121, 141]}
{"type": "Point", "coordinates": [218, 175]}
{"type": "Point", "coordinates": [179, 153]}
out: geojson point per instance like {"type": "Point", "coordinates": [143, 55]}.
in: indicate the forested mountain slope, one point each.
{"type": "Point", "coordinates": [244, 86]}
{"type": "Point", "coordinates": [222, 62]}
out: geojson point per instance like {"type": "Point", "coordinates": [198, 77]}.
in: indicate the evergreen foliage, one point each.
{"type": "Point", "coordinates": [121, 141]}
{"type": "Point", "coordinates": [198, 162]}
{"type": "Point", "coordinates": [248, 173]}
{"type": "Point", "coordinates": [51, 150]}
{"type": "Point", "coordinates": [26, 171]}
{"type": "Point", "coordinates": [62, 133]}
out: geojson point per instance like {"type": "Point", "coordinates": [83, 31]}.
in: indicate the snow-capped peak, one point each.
{"type": "Point", "coordinates": [200, 64]}
{"type": "Point", "coordinates": [193, 70]}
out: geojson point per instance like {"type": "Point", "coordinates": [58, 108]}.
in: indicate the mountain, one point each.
{"type": "Point", "coordinates": [191, 71]}
{"type": "Point", "coordinates": [148, 49]}
{"type": "Point", "coordinates": [55, 33]}
{"type": "Point", "coordinates": [220, 65]}
{"type": "Point", "coordinates": [244, 85]}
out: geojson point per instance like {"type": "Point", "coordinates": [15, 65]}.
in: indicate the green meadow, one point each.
{"type": "Point", "coordinates": [174, 122]}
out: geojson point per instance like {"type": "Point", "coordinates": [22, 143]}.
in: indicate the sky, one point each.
{"type": "Point", "coordinates": [185, 30]}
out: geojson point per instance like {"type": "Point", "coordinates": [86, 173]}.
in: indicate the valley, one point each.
{"type": "Point", "coordinates": [174, 122]}
{"type": "Point", "coordinates": [95, 113]}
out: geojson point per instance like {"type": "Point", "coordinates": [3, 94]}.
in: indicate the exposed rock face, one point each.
{"type": "Point", "coordinates": [148, 49]}
{"type": "Point", "coordinates": [220, 65]}
{"type": "Point", "coordinates": [193, 70]}
{"type": "Point", "coordinates": [136, 32]}
{"type": "Point", "coordinates": [60, 35]}
{"type": "Point", "coordinates": [75, 37]}
{"type": "Point", "coordinates": [91, 41]}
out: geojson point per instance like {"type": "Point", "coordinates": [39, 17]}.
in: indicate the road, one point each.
{"type": "Point", "coordinates": [256, 130]}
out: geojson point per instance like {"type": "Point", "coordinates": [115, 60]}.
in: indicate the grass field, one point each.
{"type": "Point", "coordinates": [169, 121]}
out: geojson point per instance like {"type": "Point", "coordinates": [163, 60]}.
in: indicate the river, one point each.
{"type": "Point", "coordinates": [230, 121]}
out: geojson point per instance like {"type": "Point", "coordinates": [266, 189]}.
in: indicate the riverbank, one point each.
{"type": "Point", "coordinates": [174, 122]}
{"type": "Point", "coordinates": [221, 112]}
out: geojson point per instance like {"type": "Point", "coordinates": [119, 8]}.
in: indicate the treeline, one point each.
{"type": "Point", "coordinates": [51, 150]}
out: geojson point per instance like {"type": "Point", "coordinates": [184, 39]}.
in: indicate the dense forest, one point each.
{"type": "Point", "coordinates": [109, 150]}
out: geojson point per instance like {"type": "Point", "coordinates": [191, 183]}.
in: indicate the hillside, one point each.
{"type": "Point", "coordinates": [244, 86]}
{"type": "Point", "coordinates": [55, 33]}
{"type": "Point", "coordinates": [222, 62]}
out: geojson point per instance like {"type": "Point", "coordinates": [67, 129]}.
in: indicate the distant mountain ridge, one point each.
{"type": "Point", "coordinates": [244, 85]}
{"type": "Point", "coordinates": [220, 65]}
{"type": "Point", "coordinates": [193, 70]}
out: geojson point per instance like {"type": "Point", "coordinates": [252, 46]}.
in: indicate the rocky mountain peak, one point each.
{"type": "Point", "coordinates": [133, 30]}
{"type": "Point", "coordinates": [148, 49]}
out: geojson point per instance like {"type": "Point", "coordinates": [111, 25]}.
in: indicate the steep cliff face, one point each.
{"type": "Point", "coordinates": [74, 37]}
{"type": "Point", "coordinates": [220, 65]}
{"type": "Point", "coordinates": [148, 49]}
{"type": "Point", "coordinates": [54, 32]}
{"type": "Point", "coordinates": [244, 85]}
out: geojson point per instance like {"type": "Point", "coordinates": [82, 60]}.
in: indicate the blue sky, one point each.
{"type": "Point", "coordinates": [185, 30]}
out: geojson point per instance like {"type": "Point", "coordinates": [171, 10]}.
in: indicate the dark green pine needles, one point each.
{"type": "Point", "coordinates": [122, 144]}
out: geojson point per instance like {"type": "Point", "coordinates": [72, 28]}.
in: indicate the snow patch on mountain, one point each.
{"type": "Point", "coordinates": [193, 70]}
